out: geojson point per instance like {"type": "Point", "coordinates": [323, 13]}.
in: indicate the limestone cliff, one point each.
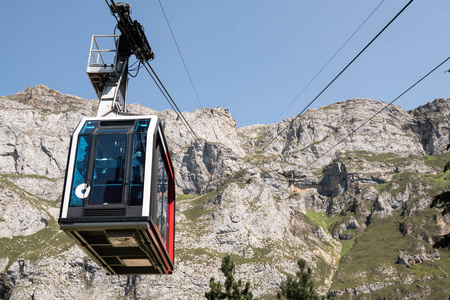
{"type": "Point", "coordinates": [265, 207]}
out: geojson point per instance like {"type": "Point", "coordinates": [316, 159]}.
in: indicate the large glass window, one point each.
{"type": "Point", "coordinates": [137, 169]}
{"type": "Point", "coordinates": [138, 163]}
{"type": "Point", "coordinates": [109, 166]}
{"type": "Point", "coordinates": [162, 196]}
{"type": "Point", "coordinates": [103, 180]}
{"type": "Point", "coordinates": [80, 186]}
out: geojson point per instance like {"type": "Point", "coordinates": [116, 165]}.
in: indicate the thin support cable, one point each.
{"type": "Point", "coordinates": [337, 76]}
{"type": "Point", "coordinates": [377, 113]}
{"type": "Point", "coordinates": [336, 53]}
{"type": "Point", "coordinates": [169, 99]}
{"type": "Point", "coordinates": [160, 89]}
{"type": "Point", "coordinates": [181, 56]}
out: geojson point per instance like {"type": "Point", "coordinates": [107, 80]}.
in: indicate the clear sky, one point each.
{"type": "Point", "coordinates": [251, 56]}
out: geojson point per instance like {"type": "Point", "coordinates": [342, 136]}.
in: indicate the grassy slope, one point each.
{"type": "Point", "coordinates": [372, 256]}
{"type": "Point", "coordinates": [47, 242]}
{"type": "Point", "coordinates": [373, 259]}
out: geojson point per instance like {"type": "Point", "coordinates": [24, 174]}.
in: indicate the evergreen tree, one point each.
{"type": "Point", "coordinates": [233, 289]}
{"type": "Point", "coordinates": [443, 200]}
{"type": "Point", "coordinates": [301, 287]}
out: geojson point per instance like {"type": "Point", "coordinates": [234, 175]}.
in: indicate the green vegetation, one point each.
{"type": "Point", "coordinates": [322, 219]}
{"type": "Point", "coordinates": [259, 158]}
{"type": "Point", "coordinates": [347, 245]}
{"type": "Point", "coordinates": [443, 200]}
{"type": "Point", "coordinates": [377, 249]}
{"type": "Point", "coordinates": [233, 289]}
{"type": "Point", "coordinates": [437, 161]}
{"type": "Point", "coordinates": [302, 226]}
{"type": "Point", "coordinates": [382, 186]}
{"type": "Point", "coordinates": [35, 201]}
{"type": "Point", "coordinates": [431, 182]}
{"type": "Point", "coordinates": [197, 254]}
{"type": "Point", "coordinates": [199, 251]}
{"type": "Point", "coordinates": [259, 255]}
{"type": "Point", "coordinates": [389, 158]}
{"type": "Point", "coordinates": [421, 223]}
{"type": "Point", "coordinates": [187, 197]}
{"type": "Point", "coordinates": [321, 272]}
{"type": "Point", "coordinates": [35, 176]}
{"type": "Point", "coordinates": [313, 144]}
{"type": "Point", "coordinates": [371, 256]}
{"type": "Point", "coordinates": [318, 172]}
{"type": "Point", "coordinates": [17, 98]}
{"type": "Point", "coordinates": [268, 297]}
{"type": "Point", "coordinates": [300, 287]}
{"type": "Point", "coordinates": [331, 225]}
{"type": "Point", "coordinates": [437, 288]}
{"type": "Point", "coordinates": [49, 241]}
{"type": "Point", "coordinates": [200, 205]}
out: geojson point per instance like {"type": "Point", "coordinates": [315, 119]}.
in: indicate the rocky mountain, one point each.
{"type": "Point", "coordinates": [357, 209]}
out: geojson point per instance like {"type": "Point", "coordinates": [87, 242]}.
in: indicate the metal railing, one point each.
{"type": "Point", "coordinates": [96, 52]}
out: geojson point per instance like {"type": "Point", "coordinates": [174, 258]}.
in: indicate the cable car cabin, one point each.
{"type": "Point", "coordinates": [119, 195]}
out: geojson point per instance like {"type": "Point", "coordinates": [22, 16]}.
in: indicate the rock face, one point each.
{"type": "Point", "coordinates": [309, 194]}
{"type": "Point", "coordinates": [432, 125]}
{"type": "Point", "coordinates": [410, 260]}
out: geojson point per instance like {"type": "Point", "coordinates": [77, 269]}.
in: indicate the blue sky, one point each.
{"type": "Point", "coordinates": [253, 56]}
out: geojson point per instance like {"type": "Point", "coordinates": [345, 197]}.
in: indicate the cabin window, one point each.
{"type": "Point", "coordinates": [80, 186]}
{"type": "Point", "coordinates": [162, 196]}
{"type": "Point", "coordinates": [138, 163]}
{"type": "Point", "coordinates": [80, 189]}
{"type": "Point", "coordinates": [109, 166]}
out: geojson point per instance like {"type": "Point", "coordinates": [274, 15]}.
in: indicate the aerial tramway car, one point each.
{"type": "Point", "coordinates": [118, 202]}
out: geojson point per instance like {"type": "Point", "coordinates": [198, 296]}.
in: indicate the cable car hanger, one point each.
{"type": "Point", "coordinates": [118, 202]}
{"type": "Point", "coordinates": [110, 80]}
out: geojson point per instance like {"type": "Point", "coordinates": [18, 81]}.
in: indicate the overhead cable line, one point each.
{"type": "Point", "coordinates": [179, 51]}
{"type": "Point", "coordinates": [337, 76]}
{"type": "Point", "coordinates": [377, 113]}
{"type": "Point", "coordinates": [318, 73]}
{"type": "Point", "coordinates": [169, 99]}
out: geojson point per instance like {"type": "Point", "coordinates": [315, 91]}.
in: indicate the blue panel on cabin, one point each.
{"type": "Point", "coordinates": [89, 127]}
{"type": "Point", "coordinates": [79, 187]}
{"type": "Point", "coordinates": [142, 125]}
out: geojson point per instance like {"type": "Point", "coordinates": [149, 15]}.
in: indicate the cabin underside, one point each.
{"type": "Point", "coordinates": [121, 250]}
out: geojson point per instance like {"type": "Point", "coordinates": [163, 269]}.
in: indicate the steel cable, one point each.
{"type": "Point", "coordinates": [169, 99]}
{"type": "Point", "coordinates": [377, 113]}
{"type": "Point", "coordinates": [181, 56]}
{"type": "Point", "coordinates": [334, 55]}
{"type": "Point", "coordinates": [337, 76]}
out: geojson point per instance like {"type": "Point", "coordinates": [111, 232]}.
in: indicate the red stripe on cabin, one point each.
{"type": "Point", "coordinates": [171, 213]}
{"type": "Point", "coordinates": [170, 165]}
{"type": "Point", "coordinates": [171, 221]}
